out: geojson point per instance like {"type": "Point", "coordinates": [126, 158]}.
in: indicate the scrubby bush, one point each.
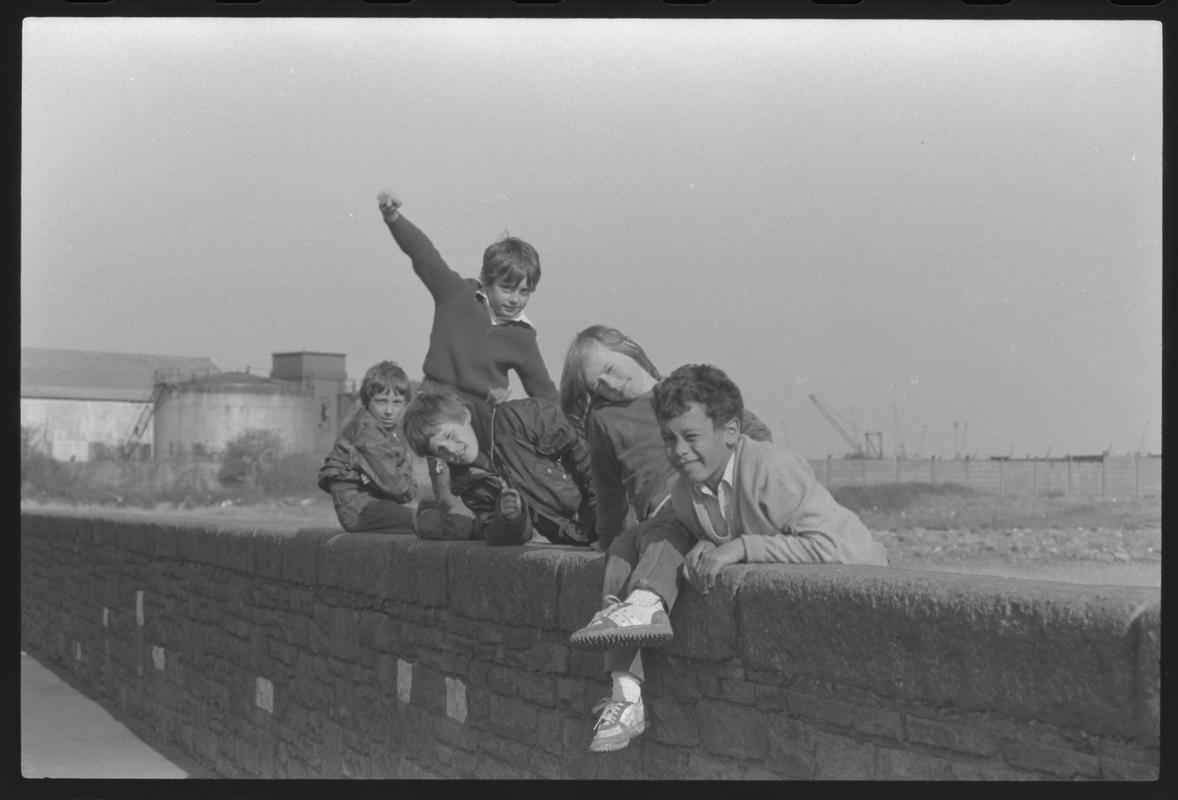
{"type": "Point", "coordinates": [293, 474]}
{"type": "Point", "coordinates": [254, 468]}
{"type": "Point", "coordinates": [247, 456]}
{"type": "Point", "coordinates": [40, 474]}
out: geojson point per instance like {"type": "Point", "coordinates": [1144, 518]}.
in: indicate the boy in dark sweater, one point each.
{"type": "Point", "coordinates": [519, 465]}
{"type": "Point", "coordinates": [479, 331]}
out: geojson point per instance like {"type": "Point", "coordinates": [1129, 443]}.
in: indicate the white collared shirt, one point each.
{"type": "Point", "coordinates": [522, 319]}
{"type": "Point", "coordinates": [714, 509]}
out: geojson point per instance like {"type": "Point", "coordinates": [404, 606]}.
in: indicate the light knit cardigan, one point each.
{"type": "Point", "coordinates": [782, 513]}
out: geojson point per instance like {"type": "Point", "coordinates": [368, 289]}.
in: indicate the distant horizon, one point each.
{"type": "Point", "coordinates": [889, 454]}
{"type": "Point", "coordinates": [921, 222]}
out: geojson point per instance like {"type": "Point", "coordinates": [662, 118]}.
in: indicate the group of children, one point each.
{"type": "Point", "coordinates": [670, 476]}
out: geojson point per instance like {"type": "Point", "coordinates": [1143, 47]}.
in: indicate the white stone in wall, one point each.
{"type": "Point", "coordinates": [77, 651]}
{"type": "Point", "coordinates": [139, 608]}
{"type": "Point", "coordinates": [105, 617]}
{"type": "Point", "coordinates": [157, 657]}
{"type": "Point", "coordinates": [404, 680]}
{"type": "Point", "coordinates": [456, 699]}
{"type": "Point", "coordinates": [264, 695]}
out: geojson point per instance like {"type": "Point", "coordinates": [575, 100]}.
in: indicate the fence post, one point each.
{"type": "Point", "coordinates": [1104, 477]}
{"type": "Point", "coordinates": [1001, 477]}
{"type": "Point", "coordinates": [1136, 476]}
{"type": "Point", "coordinates": [1068, 459]}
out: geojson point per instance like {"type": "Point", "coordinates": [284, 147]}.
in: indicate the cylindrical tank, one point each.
{"type": "Point", "coordinates": [201, 416]}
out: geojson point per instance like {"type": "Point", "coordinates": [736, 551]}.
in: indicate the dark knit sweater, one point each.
{"type": "Point", "coordinates": [466, 350]}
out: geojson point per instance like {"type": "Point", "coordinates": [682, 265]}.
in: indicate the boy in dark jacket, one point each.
{"type": "Point", "coordinates": [369, 472]}
{"type": "Point", "coordinates": [519, 465]}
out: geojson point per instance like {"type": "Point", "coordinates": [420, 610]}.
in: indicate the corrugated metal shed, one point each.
{"type": "Point", "coordinates": [90, 375]}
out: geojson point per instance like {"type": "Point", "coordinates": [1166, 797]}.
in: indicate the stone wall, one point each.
{"type": "Point", "coordinates": [266, 652]}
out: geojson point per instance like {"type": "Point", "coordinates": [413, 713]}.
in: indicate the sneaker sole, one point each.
{"type": "Point", "coordinates": [621, 637]}
{"type": "Point", "coordinates": [611, 746]}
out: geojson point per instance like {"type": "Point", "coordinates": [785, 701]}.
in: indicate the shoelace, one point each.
{"type": "Point", "coordinates": [603, 613]}
{"type": "Point", "coordinates": [613, 711]}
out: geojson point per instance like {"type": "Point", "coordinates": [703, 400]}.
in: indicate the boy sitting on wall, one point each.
{"type": "Point", "coordinates": [741, 501]}
{"type": "Point", "coordinates": [369, 471]}
{"type": "Point", "coordinates": [519, 465]}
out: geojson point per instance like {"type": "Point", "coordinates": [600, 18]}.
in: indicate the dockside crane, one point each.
{"type": "Point", "coordinates": [873, 440]}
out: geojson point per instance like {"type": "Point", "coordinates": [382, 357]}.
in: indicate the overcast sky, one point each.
{"type": "Point", "coordinates": [928, 222]}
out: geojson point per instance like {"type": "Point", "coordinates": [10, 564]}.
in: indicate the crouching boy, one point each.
{"type": "Point", "coordinates": [736, 501]}
{"type": "Point", "coordinates": [519, 466]}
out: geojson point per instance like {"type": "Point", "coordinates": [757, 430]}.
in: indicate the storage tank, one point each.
{"type": "Point", "coordinates": [201, 416]}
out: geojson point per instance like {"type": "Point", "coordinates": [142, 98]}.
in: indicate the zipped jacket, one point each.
{"type": "Point", "coordinates": [532, 447]}
{"type": "Point", "coordinates": [371, 459]}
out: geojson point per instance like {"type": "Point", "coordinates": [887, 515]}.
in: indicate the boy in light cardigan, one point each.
{"type": "Point", "coordinates": [746, 501]}
{"type": "Point", "coordinates": [740, 501]}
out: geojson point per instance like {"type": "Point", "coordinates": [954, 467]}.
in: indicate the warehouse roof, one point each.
{"type": "Point", "coordinates": [91, 375]}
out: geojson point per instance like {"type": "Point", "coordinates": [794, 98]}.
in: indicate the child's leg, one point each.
{"type": "Point", "coordinates": [385, 516]}
{"type": "Point", "coordinates": [512, 521]}
{"type": "Point", "coordinates": [619, 563]}
{"type": "Point", "coordinates": [653, 586]}
{"type": "Point", "coordinates": [434, 524]}
{"type": "Point", "coordinates": [663, 546]}
{"type": "Point", "coordinates": [623, 715]}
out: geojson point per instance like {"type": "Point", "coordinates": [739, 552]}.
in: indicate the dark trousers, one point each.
{"type": "Point", "coordinates": [646, 556]}
{"type": "Point", "coordinates": [359, 513]}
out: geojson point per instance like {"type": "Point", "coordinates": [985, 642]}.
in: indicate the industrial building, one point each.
{"type": "Point", "coordinates": [81, 404]}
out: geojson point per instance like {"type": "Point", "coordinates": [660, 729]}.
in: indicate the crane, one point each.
{"type": "Point", "coordinates": [856, 450]}
{"type": "Point", "coordinates": [873, 440]}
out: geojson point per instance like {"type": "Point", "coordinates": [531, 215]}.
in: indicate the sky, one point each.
{"type": "Point", "coordinates": [949, 232]}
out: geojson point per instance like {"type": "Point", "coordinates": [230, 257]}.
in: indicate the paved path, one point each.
{"type": "Point", "coordinates": [64, 734]}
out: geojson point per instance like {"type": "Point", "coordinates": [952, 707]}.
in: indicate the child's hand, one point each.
{"type": "Point", "coordinates": [704, 562]}
{"type": "Point", "coordinates": [510, 505]}
{"type": "Point", "coordinates": [389, 203]}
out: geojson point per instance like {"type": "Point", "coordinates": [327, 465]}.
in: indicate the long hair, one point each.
{"type": "Point", "coordinates": [575, 397]}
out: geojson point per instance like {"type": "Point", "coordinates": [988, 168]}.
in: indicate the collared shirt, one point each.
{"type": "Point", "coordinates": [714, 509]}
{"type": "Point", "coordinates": [522, 319]}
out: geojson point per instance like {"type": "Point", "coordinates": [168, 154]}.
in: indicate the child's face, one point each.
{"type": "Point", "coordinates": [454, 443]}
{"type": "Point", "coordinates": [388, 406]}
{"type": "Point", "coordinates": [507, 302]}
{"type": "Point", "coordinates": [613, 376]}
{"type": "Point", "coordinates": [696, 448]}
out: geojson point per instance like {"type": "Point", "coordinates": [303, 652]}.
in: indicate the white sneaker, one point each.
{"type": "Point", "coordinates": [619, 722]}
{"type": "Point", "coordinates": [625, 625]}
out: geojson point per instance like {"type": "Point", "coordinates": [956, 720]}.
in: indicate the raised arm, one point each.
{"type": "Point", "coordinates": [427, 262]}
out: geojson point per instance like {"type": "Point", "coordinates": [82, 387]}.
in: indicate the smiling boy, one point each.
{"type": "Point", "coordinates": [746, 501]}
{"type": "Point", "coordinates": [519, 465]}
{"type": "Point", "coordinates": [740, 501]}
